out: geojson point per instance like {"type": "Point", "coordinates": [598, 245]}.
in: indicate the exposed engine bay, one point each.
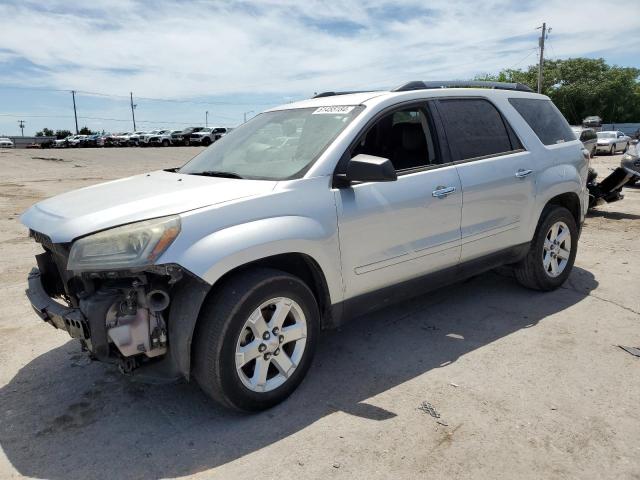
{"type": "Point", "coordinates": [118, 316]}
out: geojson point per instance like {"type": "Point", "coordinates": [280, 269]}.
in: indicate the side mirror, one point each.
{"type": "Point", "coordinates": [369, 168]}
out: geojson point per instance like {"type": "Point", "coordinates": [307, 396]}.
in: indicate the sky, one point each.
{"type": "Point", "coordinates": [230, 58]}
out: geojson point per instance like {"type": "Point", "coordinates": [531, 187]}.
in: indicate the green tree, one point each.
{"type": "Point", "coordinates": [85, 131]}
{"type": "Point", "coordinates": [45, 132]}
{"type": "Point", "coordinates": [583, 86]}
{"type": "Point", "coordinates": [60, 134]}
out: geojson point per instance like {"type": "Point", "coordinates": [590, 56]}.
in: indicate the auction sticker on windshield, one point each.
{"type": "Point", "coordinates": [335, 109]}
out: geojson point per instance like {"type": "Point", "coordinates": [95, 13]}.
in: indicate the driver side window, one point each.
{"type": "Point", "coordinates": [405, 137]}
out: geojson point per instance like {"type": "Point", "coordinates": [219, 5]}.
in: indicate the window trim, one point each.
{"type": "Point", "coordinates": [551, 145]}
{"type": "Point", "coordinates": [424, 103]}
{"type": "Point", "coordinates": [511, 132]}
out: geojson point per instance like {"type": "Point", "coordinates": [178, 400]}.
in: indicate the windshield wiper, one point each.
{"type": "Point", "coordinates": [216, 173]}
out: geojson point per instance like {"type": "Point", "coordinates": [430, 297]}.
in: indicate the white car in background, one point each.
{"type": "Point", "coordinates": [207, 136]}
{"type": "Point", "coordinates": [6, 143]}
{"type": "Point", "coordinates": [162, 137]}
{"type": "Point", "coordinates": [135, 137]}
{"type": "Point", "coordinates": [612, 142]}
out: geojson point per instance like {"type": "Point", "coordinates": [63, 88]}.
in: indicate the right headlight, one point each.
{"type": "Point", "coordinates": [135, 245]}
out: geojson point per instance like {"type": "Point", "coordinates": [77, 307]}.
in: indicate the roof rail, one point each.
{"type": "Point", "coordinates": [420, 85]}
{"type": "Point", "coordinates": [333, 94]}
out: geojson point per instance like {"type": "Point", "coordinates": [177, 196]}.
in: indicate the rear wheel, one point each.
{"type": "Point", "coordinates": [206, 141]}
{"type": "Point", "coordinates": [256, 339]}
{"type": "Point", "coordinates": [552, 252]}
{"type": "Point", "coordinates": [165, 143]}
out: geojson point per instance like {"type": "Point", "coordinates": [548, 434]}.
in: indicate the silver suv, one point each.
{"type": "Point", "coordinates": [226, 269]}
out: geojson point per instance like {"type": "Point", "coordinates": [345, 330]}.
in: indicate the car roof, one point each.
{"type": "Point", "coordinates": [379, 96]}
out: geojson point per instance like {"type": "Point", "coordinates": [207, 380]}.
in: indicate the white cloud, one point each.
{"type": "Point", "coordinates": [167, 49]}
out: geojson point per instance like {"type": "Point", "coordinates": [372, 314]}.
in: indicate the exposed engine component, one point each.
{"type": "Point", "coordinates": [135, 323]}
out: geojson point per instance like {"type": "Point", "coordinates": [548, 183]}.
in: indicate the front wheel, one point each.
{"type": "Point", "coordinates": [612, 150]}
{"type": "Point", "coordinates": [551, 253]}
{"type": "Point", "coordinates": [256, 338]}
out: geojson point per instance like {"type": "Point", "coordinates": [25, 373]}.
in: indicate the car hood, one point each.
{"type": "Point", "coordinates": [141, 197]}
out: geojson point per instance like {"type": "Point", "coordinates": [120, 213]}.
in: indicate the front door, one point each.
{"type": "Point", "coordinates": [396, 231]}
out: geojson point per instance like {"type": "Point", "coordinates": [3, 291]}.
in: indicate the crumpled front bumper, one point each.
{"type": "Point", "coordinates": [60, 316]}
{"type": "Point", "coordinates": [86, 323]}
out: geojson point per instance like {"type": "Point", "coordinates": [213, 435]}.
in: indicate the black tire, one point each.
{"type": "Point", "coordinates": [206, 141]}
{"type": "Point", "coordinates": [612, 150]}
{"type": "Point", "coordinates": [530, 271]}
{"type": "Point", "coordinates": [594, 152]}
{"type": "Point", "coordinates": [165, 143]}
{"type": "Point", "coordinates": [222, 320]}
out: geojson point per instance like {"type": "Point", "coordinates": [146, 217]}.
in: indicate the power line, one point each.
{"type": "Point", "coordinates": [533, 50]}
{"type": "Point", "coordinates": [165, 122]}
{"type": "Point", "coordinates": [126, 97]}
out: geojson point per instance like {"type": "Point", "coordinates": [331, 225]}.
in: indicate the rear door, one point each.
{"type": "Point", "coordinates": [497, 176]}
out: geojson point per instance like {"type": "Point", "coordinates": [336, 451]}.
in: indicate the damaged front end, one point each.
{"type": "Point", "coordinates": [119, 314]}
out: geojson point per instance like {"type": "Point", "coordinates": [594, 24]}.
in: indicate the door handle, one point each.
{"type": "Point", "coordinates": [441, 192]}
{"type": "Point", "coordinates": [521, 173]}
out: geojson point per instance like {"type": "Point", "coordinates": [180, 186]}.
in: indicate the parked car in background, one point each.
{"type": "Point", "coordinates": [89, 140]}
{"type": "Point", "coordinates": [183, 137]}
{"type": "Point", "coordinates": [6, 143]}
{"type": "Point", "coordinates": [162, 137]}
{"type": "Point", "coordinates": [593, 121]}
{"type": "Point", "coordinates": [612, 141]}
{"type": "Point", "coordinates": [134, 138]}
{"type": "Point", "coordinates": [207, 136]}
{"type": "Point", "coordinates": [226, 269]}
{"type": "Point", "coordinates": [63, 142]}
{"type": "Point", "coordinates": [588, 137]}
{"type": "Point", "coordinates": [122, 139]}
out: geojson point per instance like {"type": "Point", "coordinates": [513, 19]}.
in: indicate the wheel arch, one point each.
{"type": "Point", "coordinates": [570, 201]}
{"type": "Point", "coordinates": [186, 306]}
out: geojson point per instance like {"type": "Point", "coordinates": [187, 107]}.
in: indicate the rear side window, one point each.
{"type": "Point", "coordinates": [475, 128]}
{"type": "Point", "coordinates": [544, 119]}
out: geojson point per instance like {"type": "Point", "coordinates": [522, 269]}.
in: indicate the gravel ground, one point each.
{"type": "Point", "coordinates": [479, 380]}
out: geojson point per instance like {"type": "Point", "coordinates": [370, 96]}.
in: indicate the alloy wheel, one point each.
{"type": "Point", "coordinates": [556, 249]}
{"type": "Point", "coordinates": [271, 344]}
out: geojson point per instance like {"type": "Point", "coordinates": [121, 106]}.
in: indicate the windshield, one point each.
{"type": "Point", "coordinates": [275, 145]}
{"type": "Point", "coordinates": [606, 135]}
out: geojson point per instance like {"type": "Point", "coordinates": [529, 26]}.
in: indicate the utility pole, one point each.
{"type": "Point", "coordinates": [21, 125]}
{"type": "Point", "coordinates": [133, 113]}
{"type": "Point", "coordinates": [75, 113]}
{"type": "Point", "coordinates": [541, 44]}
{"type": "Point", "coordinates": [206, 118]}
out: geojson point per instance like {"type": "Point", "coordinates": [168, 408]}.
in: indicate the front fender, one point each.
{"type": "Point", "coordinates": [220, 252]}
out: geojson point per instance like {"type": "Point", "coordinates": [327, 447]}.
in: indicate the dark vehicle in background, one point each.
{"type": "Point", "coordinates": [89, 141]}
{"type": "Point", "coordinates": [588, 137]}
{"type": "Point", "coordinates": [593, 121]}
{"type": "Point", "coordinates": [183, 137]}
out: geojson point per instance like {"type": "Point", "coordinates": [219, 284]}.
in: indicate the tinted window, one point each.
{"type": "Point", "coordinates": [474, 128]}
{"type": "Point", "coordinates": [404, 137]}
{"type": "Point", "coordinates": [544, 119]}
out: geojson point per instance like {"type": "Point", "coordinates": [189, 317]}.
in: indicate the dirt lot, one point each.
{"type": "Point", "coordinates": [526, 385]}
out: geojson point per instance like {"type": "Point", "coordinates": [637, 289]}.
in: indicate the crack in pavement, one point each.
{"type": "Point", "coordinates": [590, 294]}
